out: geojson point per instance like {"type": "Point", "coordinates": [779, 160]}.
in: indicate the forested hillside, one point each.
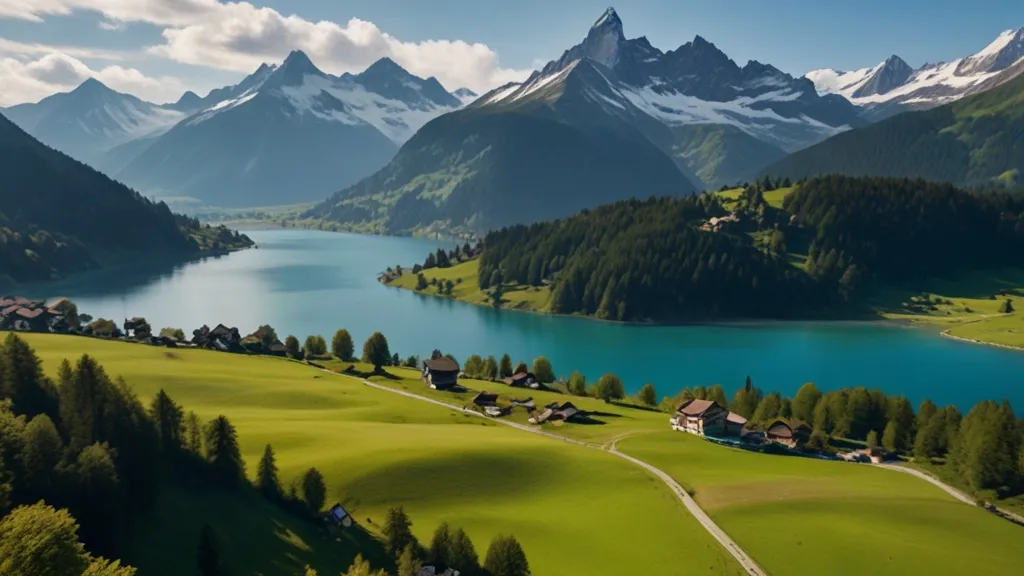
{"type": "Point", "coordinates": [894, 230]}
{"type": "Point", "coordinates": [59, 216]}
{"type": "Point", "coordinates": [638, 260]}
{"type": "Point", "coordinates": [976, 140]}
{"type": "Point", "coordinates": [834, 241]}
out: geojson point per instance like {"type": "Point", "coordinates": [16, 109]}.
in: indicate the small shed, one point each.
{"type": "Point", "coordinates": [339, 516]}
{"type": "Point", "coordinates": [485, 399]}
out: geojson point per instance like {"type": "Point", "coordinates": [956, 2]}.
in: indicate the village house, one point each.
{"type": "Point", "coordinates": [220, 338]}
{"type": "Point", "coordinates": [24, 315]}
{"type": "Point", "coordinates": [787, 434]}
{"type": "Point", "coordinates": [734, 424]}
{"type": "Point", "coordinates": [485, 399]}
{"type": "Point", "coordinates": [441, 373]}
{"type": "Point", "coordinates": [521, 380]}
{"type": "Point", "coordinates": [567, 412]}
{"type": "Point", "coordinates": [700, 417]}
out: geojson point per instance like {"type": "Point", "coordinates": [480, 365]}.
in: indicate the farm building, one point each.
{"type": "Point", "coordinates": [787, 434]}
{"type": "Point", "coordinates": [441, 373]}
{"type": "Point", "coordinates": [700, 417]}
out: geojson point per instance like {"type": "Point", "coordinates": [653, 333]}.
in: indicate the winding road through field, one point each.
{"type": "Point", "coordinates": [744, 559]}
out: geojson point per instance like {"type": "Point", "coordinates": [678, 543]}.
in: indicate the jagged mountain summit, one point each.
{"type": "Point", "coordinates": [92, 119]}
{"type": "Point", "coordinates": [893, 86]}
{"type": "Point", "coordinates": [612, 118]}
{"type": "Point", "coordinates": [287, 134]}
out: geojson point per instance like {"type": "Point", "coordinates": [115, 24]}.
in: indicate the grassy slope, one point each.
{"type": "Point", "coordinates": [802, 516]}
{"type": "Point", "coordinates": [973, 313]}
{"type": "Point", "coordinates": [773, 198]}
{"type": "Point", "coordinates": [466, 289]}
{"type": "Point", "coordinates": [378, 450]}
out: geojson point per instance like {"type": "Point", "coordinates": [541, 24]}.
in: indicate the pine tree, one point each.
{"type": "Point", "coordinates": [170, 421]}
{"type": "Point", "coordinates": [408, 564]}
{"type": "Point", "coordinates": [208, 556]}
{"type": "Point", "coordinates": [440, 544]}
{"type": "Point", "coordinates": [194, 434]}
{"type": "Point", "coordinates": [398, 530]}
{"type": "Point", "coordinates": [22, 379]}
{"type": "Point", "coordinates": [223, 453]}
{"type": "Point", "coordinates": [506, 366]}
{"type": "Point", "coordinates": [490, 368]}
{"type": "Point", "coordinates": [314, 490]}
{"type": "Point", "coordinates": [462, 555]}
{"type": "Point", "coordinates": [40, 456]}
{"type": "Point", "coordinates": [266, 474]}
{"type": "Point", "coordinates": [505, 557]}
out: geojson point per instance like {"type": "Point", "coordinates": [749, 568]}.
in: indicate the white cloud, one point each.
{"type": "Point", "coordinates": [31, 80]}
{"type": "Point", "coordinates": [239, 36]}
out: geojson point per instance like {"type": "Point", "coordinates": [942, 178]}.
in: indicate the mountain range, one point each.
{"type": "Point", "coordinates": [977, 140]}
{"type": "Point", "coordinates": [893, 86]}
{"type": "Point", "coordinates": [283, 135]}
{"type": "Point", "coordinates": [612, 118]}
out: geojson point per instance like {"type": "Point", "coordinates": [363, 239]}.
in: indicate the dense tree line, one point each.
{"type": "Point", "coordinates": [637, 260]}
{"type": "Point", "coordinates": [887, 229]}
{"type": "Point", "coordinates": [983, 451]}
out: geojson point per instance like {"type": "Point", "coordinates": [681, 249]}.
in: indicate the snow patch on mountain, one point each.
{"type": "Point", "coordinates": [931, 84]}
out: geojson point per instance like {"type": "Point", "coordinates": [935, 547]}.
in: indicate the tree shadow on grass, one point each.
{"type": "Point", "coordinates": [635, 406]}
{"type": "Point", "coordinates": [257, 537]}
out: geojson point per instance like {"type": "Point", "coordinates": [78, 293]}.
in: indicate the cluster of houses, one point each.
{"type": "Point", "coordinates": [442, 373]}
{"type": "Point", "coordinates": [710, 419]}
{"type": "Point", "coordinates": [24, 315]}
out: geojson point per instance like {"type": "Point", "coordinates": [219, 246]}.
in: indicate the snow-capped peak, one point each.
{"type": "Point", "coordinates": [894, 82]}
{"type": "Point", "coordinates": [605, 37]}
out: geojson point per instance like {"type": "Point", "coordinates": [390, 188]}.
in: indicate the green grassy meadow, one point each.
{"type": "Point", "coordinates": [802, 516]}
{"type": "Point", "coordinates": [568, 505]}
{"type": "Point", "coordinates": [609, 420]}
{"type": "Point", "coordinates": [466, 288]}
{"type": "Point", "coordinates": [774, 198]}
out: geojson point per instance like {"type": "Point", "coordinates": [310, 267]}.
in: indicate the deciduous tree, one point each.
{"type": "Point", "coordinates": [648, 395]}
{"type": "Point", "coordinates": [505, 557]}
{"type": "Point", "coordinates": [342, 346]}
{"type": "Point", "coordinates": [610, 387]}
{"type": "Point", "coordinates": [577, 384]}
{"type": "Point", "coordinates": [376, 352]}
{"type": "Point", "coordinates": [543, 371]}
{"type": "Point", "coordinates": [314, 490]}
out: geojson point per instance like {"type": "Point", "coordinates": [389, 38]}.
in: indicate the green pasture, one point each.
{"type": "Point", "coordinates": [570, 506]}
{"type": "Point", "coordinates": [803, 516]}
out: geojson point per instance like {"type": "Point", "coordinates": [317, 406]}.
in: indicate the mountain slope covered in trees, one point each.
{"type": "Point", "coordinates": [59, 216]}
{"type": "Point", "coordinates": [976, 140]}
{"type": "Point", "coordinates": [657, 259]}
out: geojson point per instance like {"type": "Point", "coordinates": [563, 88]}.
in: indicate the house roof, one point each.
{"type": "Point", "coordinates": [442, 364]}
{"type": "Point", "coordinates": [781, 429]}
{"type": "Point", "coordinates": [10, 310]}
{"type": "Point", "coordinates": [29, 314]}
{"type": "Point", "coordinates": [485, 398]}
{"type": "Point", "coordinates": [699, 407]}
{"type": "Point", "coordinates": [736, 418]}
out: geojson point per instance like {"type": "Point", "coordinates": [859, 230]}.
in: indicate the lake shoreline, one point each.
{"type": "Point", "coordinates": [945, 333]}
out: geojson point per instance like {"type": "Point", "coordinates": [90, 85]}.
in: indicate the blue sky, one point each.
{"type": "Point", "coordinates": [157, 48]}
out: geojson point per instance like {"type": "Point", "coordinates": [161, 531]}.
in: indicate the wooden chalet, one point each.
{"type": "Point", "coordinates": [441, 373]}
{"type": "Point", "coordinates": [567, 412]}
{"type": "Point", "coordinates": [521, 380]}
{"type": "Point", "coordinates": [700, 417]}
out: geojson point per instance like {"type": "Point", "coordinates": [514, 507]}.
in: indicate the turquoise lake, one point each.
{"type": "Point", "coordinates": [306, 282]}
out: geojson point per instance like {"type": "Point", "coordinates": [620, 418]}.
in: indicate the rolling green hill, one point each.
{"type": "Point", "coordinates": [976, 140]}
{"type": "Point", "coordinates": [59, 216]}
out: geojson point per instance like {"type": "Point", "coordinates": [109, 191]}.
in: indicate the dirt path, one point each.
{"type": "Point", "coordinates": [961, 496]}
{"type": "Point", "coordinates": [748, 564]}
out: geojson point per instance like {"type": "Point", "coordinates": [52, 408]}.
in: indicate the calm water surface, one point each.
{"type": "Point", "coordinates": [306, 282]}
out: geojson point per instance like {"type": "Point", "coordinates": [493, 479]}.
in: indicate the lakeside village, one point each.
{"type": "Point", "coordinates": [706, 418]}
